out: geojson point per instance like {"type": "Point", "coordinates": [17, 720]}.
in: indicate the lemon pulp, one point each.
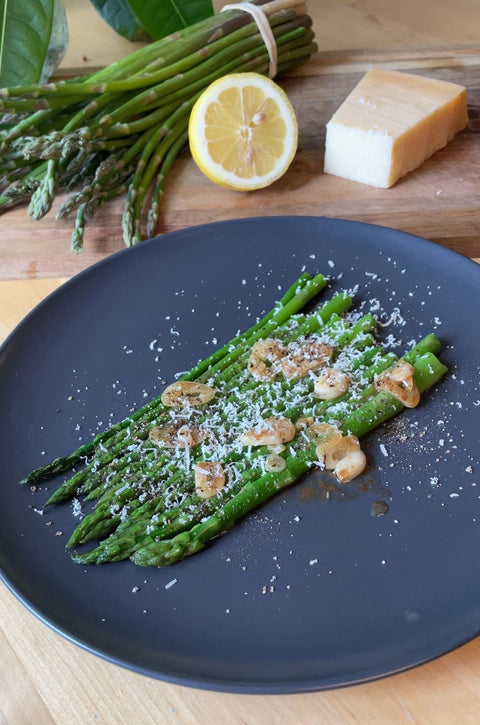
{"type": "Point", "coordinates": [243, 131]}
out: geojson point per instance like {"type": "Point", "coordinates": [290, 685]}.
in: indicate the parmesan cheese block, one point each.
{"type": "Point", "coordinates": [390, 123]}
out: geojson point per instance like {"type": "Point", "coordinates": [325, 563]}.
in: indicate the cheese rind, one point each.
{"type": "Point", "coordinates": [390, 124]}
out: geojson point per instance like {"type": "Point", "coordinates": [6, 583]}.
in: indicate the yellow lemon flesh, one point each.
{"type": "Point", "coordinates": [243, 132]}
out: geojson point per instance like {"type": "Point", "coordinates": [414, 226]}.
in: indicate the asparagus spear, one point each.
{"type": "Point", "coordinates": [145, 525]}
{"type": "Point", "coordinates": [299, 294]}
{"type": "Point", "coordinates": [322, 410]}
{"type": "Point", "coordinates": [144, 495]}
{"type": "Point", "coordinates": [428, 370]}
{"type": "Point", "coordinates": [143, 100]}
{"type": "Point", "coordinates": [147, 473]}
{"type": "Point", "coordinates": [145, 521]}
{"type": "Point", "coordinates": [109, 459]}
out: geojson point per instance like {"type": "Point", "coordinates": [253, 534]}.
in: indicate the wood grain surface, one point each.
{"type": "Point", "coordinates": [440, 200]}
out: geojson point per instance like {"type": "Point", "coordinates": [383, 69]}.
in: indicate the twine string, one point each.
{"type": "Point", "coordinates": [264, 28]}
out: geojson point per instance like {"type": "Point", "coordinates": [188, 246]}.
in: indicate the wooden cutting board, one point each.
{"type": "Point", "coordinates": [439, 201]}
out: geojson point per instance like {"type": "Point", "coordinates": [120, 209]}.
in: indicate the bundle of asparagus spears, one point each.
{"type": "Point", "coordinates": [287, 395]}
{"type": "Point", "coordinates": [118, 131]}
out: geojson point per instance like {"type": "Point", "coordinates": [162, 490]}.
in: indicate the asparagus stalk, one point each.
{"type": "Point", "coordinates": [428, 370]}
{"type": "Point", "coordinates": [299, 294]}
{"type": "Point", "coordinates": [146, 504]}
{"type": "Point", "coordinates": [135, 528]}
{"type": "Point", "coordinates": [111, 460]}
{"type": "Point", "coordinates": [147, 96]}
{"type": "Point", "coordinates": [103, 520]}
{"type": "Point", "coordinates": [145, 470]}
{"type": "Point", "coordinates": [110, 466]}
{"type": "Point", "coordinates": [143, 523]}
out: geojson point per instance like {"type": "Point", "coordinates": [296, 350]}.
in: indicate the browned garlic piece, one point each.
{"type": "Point", "coordinates": [264, 358]}
{"type": "Point", "coordinates": [346, 445]}
{"type": "Point", "coordinates": [275, 463]}
{"type": "Point", "coordinates": [278, 448]}
{"type": "Point", "coordinates": [270, 432]}
{"type": "Point", "coordinates": [399, 382]}
{"type": "Point", "coordinates": [340, 454]}
{"type": "Point", "coordinates": [350, 466]}
{"type": "Point", "coordinates": [309, 357]}
{"type": "Point", "coordinates": [331, 384]}
{"type": "Point", "coordinates": [326, 436]}
{"type": "Point", "coordinates": [186, 393]}
{"type": "Point", "coordinates": [209, 478]}
{"type": "Point", "coordinates": [304, 422]}
{"type": "Point", "coordinates": [173, 435]}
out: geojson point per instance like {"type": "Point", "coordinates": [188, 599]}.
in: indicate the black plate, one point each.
{"type": "Point", "coordinates": [306, 593]}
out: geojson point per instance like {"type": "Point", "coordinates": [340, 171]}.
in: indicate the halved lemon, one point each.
{"type": "Point", "coordinates": [243, 132]}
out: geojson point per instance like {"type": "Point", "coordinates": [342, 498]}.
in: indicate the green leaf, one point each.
{"type": "Point", "coordinates": [25, 32]}
{"type": "Point", "coordinates": [58, 41]}
{"type": "Point", "coordinates": [119, 15]}
{"type": "Point", "coordinates": [163, 17]}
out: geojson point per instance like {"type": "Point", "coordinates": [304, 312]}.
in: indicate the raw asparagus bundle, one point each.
{"type": "Point", "coordinates": [260, 412]}
{"type": "Point", "coordinates": [119, 130]}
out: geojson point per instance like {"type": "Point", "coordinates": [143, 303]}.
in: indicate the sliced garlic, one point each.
{"type": "Point", "coordinates": [187, 393]}
{"type": "Point", "coordinates": [350, 466]}
{"type": "Point", "coordinates": [278, 448]}
{"type": "Point", "coordinates": [304, 422]}
{"type": "Point", "coordinates": [331, 384]}
{"type": "Point", "coordinates": [309, 357]}
{"type": "Point", "coordinates": [264, 358]}
{"type": "Point", "coordinates": [270, 432]}
{"type": "Point", "coordinates": [275, 463]}
{"type": "Point", "coordinates": [326, 436]}
{"type": "Point", "coordinates": [340, 454]}
{"type": "Point", "coordinates": [209, 478]}
{"type": "Point", "coordinates": [399, 382]}
{"type": "Point", "coordinates": [346, 445]}
{"type": "Point", "coordinates": [173, 435]}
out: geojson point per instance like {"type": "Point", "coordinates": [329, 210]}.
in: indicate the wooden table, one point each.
{"type": "Point", "coordinates": [44, 678]}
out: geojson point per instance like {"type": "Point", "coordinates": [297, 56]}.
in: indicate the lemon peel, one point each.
{"type": "Point", "coordinates": [243, 132]}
